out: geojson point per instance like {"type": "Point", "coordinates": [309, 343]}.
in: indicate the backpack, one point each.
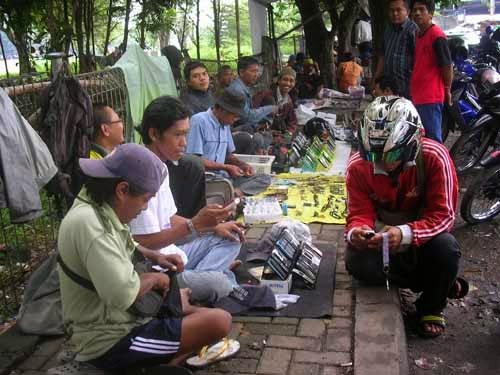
{"type": "Point", "coordinates": [66, 127]}
{"type": "Point", "coordinates": [41, 310]}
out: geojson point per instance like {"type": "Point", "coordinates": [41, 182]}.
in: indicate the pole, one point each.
{"type": "Point", "coordinates": [237, 10]}
{"type": "Point", "coordinates": [492, 7]}
{"type": "Point", "coordinates": [294, 45]}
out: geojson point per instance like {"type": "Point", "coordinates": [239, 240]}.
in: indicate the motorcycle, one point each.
{"type": "Point", "coordinates": [481, 201]}
{"type": "Point", "coordinates": [482, 133]}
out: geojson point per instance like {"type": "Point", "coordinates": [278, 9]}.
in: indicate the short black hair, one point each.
{"type": "Point", "coordinates": [429, 4]}
{"type": "Point", "coordinates": [102, 190]}
{"type": "Point", "coordinates": [191, 66]}
{"type": "Point", "coordinates": [245, 62]}
{"type": "Point", "coordinates": [405, 2]}
{"type": "Point", "coordinates": [161, 114]}
{"type": "Point", "coordinates": [223, 68]}
{"type": "Point", "coordinates": [100, 115]}
{"type": "Point", "coordinates": [388, 82]}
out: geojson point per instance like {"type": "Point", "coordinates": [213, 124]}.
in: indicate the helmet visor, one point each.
{"type": "Point", "coordinates": [386, 157]}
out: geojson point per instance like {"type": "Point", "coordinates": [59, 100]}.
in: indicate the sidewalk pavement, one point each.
{"type": "Point", "coordinates": [364, 336]}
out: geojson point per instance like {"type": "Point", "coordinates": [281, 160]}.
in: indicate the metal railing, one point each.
{"type": "Point", "coordinates": [24, 246]}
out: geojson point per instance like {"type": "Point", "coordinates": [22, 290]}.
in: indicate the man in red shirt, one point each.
{"type": "Point", "coordinates": [404, 187]}
{"type": "Point", "coordinates": [433, 72]}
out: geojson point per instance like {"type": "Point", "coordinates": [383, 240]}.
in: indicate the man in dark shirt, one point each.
{"type": "Point", "coordinates": [433, 71]}
{"type": "Point", "coordinates": [396, 57]}
{"type": "Point", "coordinates": [197, 96]}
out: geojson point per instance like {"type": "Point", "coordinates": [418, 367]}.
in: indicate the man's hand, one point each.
{"type": "Point", "coordinates": [208, 217]}
{"type": "Point", "coordinates": [232, 230]}
{"type": "Point", "coordinates": [247, 169]}
{"type": "Point", "coordinates": [154, 281]}
{"type": "Point", "coordinates": [234, 171]}
{"type": "Point", "coordinates": [360, 236]}
{"type": "Point", "coordinates": [395, 237]}
{"type": "Point", "coordinates": [171, 262]}
{"type": "Point", "coordinates": [447, 97]}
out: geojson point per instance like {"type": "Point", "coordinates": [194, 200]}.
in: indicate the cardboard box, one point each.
{"type": "Point", "coordinates": [278, 286]}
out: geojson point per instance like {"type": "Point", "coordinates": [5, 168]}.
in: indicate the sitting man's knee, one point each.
{"type": "Point", "coordinates": [220, 321]}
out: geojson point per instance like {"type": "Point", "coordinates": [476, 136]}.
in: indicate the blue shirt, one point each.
{"type": "Point", "coordinates": [209, 138]}
{"type": "Point", "coordinates": [250, 116]}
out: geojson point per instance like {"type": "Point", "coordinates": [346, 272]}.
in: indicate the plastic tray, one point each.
{"type": "Point", "coordinates": [260, 163]}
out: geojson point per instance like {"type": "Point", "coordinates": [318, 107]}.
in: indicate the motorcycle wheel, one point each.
{"type": "Point", "coordinates": [481, 201]}
{"type": "Point", "coordinates": [470, 147]}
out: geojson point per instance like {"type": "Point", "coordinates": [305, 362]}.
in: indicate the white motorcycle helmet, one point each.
{"type": "Point", "coordinates": [390, 131]}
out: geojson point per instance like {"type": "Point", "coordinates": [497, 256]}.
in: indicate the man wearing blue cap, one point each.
{"type": "Point", "coordinates": [95, 243]}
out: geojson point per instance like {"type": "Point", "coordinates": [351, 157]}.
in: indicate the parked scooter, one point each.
{"type": "Point", "coordinates": [475, 142]}
{"type": "Point", "coordinates": [481, 201]}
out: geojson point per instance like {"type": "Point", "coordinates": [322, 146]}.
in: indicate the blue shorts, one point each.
{"type": "Point", "coordinates": [431, 116]}
{"type": "Point", "coordinates": [153, 343]}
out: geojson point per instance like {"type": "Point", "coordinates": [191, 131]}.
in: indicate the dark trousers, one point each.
{"type": "Point", "coordinates": [430, 269]}
{"type": "Point", "coordinates": [187, 183]}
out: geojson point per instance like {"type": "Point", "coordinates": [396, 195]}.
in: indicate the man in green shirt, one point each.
{"type": "Point", "coordinates": [95, 243]}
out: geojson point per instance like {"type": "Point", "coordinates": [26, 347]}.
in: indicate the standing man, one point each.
{"type": "Point", "coordinates": [433, 72]}
{"type": "Point", "coordinates": [108, 131]}
{"type": "Point", "coordinates": [397, 55]}
{"type": "Point", "coordinates": [197, 96]}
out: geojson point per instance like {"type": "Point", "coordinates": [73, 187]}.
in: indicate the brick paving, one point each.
{"type": "Point", "coordinates": [272, 345]}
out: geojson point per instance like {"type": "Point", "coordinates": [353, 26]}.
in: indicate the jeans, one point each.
{"type": "Point", "coordinates": [432, 271]}
{"type": "Point", "coordinates": [431, 116]}
{"type": "Point", "coordinates": [212, 253]}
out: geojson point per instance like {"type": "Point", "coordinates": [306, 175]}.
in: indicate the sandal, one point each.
{"type": "Point", "coordinates": [464, 289]}
{"type": "Point", "coordinates": [436, 320]}
{"type": "Point", "coordinates": [224, 349]}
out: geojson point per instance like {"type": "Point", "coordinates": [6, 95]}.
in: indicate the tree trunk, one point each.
{"type": "Point", "coordinates": [125, 29]}
{"type": "Point", "coordinates": [319, 40]}
{"type": "Point", "coordinates": [84, 59]}
{"type": "Point", "coordinates": [197, 29]}
{"type": "Point", "coordinates": [216, 9]}
{"type": "Point", "coordinates": [20, 40]}
{"type": "Point", "coordinates": [142, 26]}
{"type": "Point", "coordinates": [378, 10]}
{"type": "Point", "coordinates": [68, 31]}
{"type": "Point", "coordinates": [346, 22]}
{"type": "Point", "coordinates": [164, 36]}
{"type": "Point", "coordinates": [108, 28]}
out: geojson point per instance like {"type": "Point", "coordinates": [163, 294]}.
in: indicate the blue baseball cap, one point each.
{"type": "Point", "coordinates": [134, 163]}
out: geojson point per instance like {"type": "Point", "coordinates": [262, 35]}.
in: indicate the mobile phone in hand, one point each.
{"type": "Point", "coordinates": [369, 234]}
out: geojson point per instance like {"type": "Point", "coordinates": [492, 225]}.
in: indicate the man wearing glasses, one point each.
{"type": "Point", "coordinates": [108, 131]}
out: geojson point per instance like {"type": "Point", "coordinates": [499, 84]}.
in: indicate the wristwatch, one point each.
{"type": "Point", "coordinates": [191, 227]}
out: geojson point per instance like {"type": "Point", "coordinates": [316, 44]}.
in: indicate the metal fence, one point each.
{"type": "Point", "coordinates": [24, 246]}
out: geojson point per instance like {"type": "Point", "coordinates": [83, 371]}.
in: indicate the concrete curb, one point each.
{"type": "Point", "coordinates": [379, 334]}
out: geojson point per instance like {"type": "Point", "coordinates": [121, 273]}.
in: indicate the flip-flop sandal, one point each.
{"type": "Point", "coordinates": [436, 320]}
{"type": "Point", "coordinates": [224, 349]}
{"type": "Point", "coordinates": [464, 289]}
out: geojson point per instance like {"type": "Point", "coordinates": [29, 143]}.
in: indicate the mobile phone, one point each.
{"type": "Point", "coordinates": [369, 234]}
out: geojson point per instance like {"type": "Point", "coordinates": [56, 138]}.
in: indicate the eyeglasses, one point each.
{"type": "Point", "coordinates": [114, 122]}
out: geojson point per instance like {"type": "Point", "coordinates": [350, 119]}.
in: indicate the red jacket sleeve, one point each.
{"type": "Point", "coordinates": [441, 196]}
{"type": "Point", "coordinates": [360, 209]}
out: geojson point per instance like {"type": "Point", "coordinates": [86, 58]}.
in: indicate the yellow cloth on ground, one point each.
{"type": "Point", "coordinates": [311, 198]}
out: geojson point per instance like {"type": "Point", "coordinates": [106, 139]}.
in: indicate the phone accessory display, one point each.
{"type": "Point", "coordinates": [290, 256]}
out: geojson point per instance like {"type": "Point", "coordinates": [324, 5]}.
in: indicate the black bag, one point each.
{"type": "Point", "coordinates": [152, 304]}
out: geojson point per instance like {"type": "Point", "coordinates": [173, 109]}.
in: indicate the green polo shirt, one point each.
{"type": "Point", "coordinates": [96, 245]}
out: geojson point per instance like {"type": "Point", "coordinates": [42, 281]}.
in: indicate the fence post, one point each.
{"type": "Point", "coordinates": [56, 60]}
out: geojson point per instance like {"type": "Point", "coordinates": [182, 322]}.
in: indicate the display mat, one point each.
{"type": "Point", "coordinates": [313, 303]}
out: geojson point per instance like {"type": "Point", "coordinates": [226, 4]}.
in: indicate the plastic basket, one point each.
{"type": "Point", "coordinates": [261, 164]}
{"type": "Point", "coordinates": [356, 92]}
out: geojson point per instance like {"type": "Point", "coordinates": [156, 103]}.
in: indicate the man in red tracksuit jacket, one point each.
{"type": "Point", "coordinates": [408, 183]}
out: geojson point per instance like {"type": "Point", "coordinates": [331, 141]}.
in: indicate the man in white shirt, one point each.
{"type": "Point", "coordinates": [209, 247]}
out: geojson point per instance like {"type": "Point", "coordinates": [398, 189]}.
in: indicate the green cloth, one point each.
{"type": "Point", "coordinates": [97, 246]}
{"type": "Point", "coordinates": [147, 77]}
